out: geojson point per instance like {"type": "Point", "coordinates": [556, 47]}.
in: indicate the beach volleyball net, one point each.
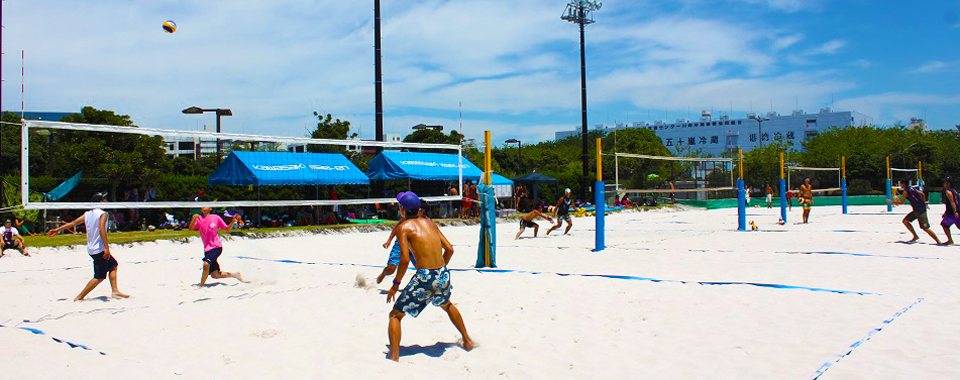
{"type": "Point", "coordinates": [64, 164]}
{"type": "Point", "coordinates": [689, 178]}
{"type": "Point", "coordinates": [911, 175]}
{"type": "Point", "coordinates": [825, 181]}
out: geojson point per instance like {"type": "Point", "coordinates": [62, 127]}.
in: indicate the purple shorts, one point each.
{"type": "Point", "coordinates": [950, 220]}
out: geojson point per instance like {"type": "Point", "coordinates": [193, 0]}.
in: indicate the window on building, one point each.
{"type": "Point", "coordinates": [811, 134]}
{"type": "Point", "coordinates": [185, 145]}
{"type": "Point", "coordinates": [733, 140]}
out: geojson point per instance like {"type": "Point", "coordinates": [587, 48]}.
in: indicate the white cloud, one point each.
{"type": "Point", "coordinates": [830, 47]}
{"type": "Point", "coordinates": [789, 6]}
{"type": "Point", "coordinates": [929, 67]}
{"type": "Point", "coordinates": [275, 62]}
{"type": "Point", "coordinates": [784, 42]}
{"type": "Point", "coordinates": [887, 108]}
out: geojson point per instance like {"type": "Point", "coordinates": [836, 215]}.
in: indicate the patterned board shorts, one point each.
{"type": "Point", "coordinates": [426, 286]}
{"type": "Point", "coordinates": [394, 259]}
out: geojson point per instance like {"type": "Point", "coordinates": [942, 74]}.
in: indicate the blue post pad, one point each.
{"type": "Point", "coordinates": [487, 247]}
{"type": "Point", "coordinates": [600, 202]}
{"type": "Point", "coordinates": [889, 195]}
{"type": "Point", "coordinates": [783, 200]}
{"type": "Point", "coordinates": [741, 206]}
{"type": "Point", "coordinates": [843, 185]}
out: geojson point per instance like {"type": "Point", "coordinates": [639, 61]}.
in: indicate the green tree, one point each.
{"type": "Point", "coordinates": [330, 129]}
{"type": "Point", "coordinates": [128, 159]}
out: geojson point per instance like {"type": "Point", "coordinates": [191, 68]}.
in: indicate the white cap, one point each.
{"type": "Point", "coordinates": [567, 190]}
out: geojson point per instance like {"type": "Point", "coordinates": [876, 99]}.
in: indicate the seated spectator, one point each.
{"type": "Point", "coordinates": [10, 239]}
{"type": "Point", "coordinates": [24, 226]}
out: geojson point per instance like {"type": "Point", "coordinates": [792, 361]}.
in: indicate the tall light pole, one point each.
{"type": "Point", "coordinates": [378, 71]}
{"type": "Point", "coordinates": [580, 12]}
{"type": "Point", "coordinates": [519, 152]}
{"type": "Point", "coordinates": [220, 112]}
{"type": "Point", "coordinates": [760, 120]}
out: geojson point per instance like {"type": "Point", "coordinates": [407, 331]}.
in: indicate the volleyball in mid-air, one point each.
{"type": "Point", "coordinates": [169, 26]}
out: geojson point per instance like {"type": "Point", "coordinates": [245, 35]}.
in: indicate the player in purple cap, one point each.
{"type": "Point", "coordinates": [420, 237]}
{"type": "Point", "coordinates": [394, 259]}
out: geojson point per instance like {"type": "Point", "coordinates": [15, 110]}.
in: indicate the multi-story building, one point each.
{"type": "Point", "coordinates": [717, 136]}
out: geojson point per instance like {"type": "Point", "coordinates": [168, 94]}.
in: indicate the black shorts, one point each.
{"type": "Point", "coordinates": [561, 217]}
{"type": "Point", "coordinates": [211, 257]}
{"type": "Point", "coordinates": [102, 266]}
{"type": "Point", "coordinates": [524, 224]}
{"type": "Point", "coordinates": [921, 217]}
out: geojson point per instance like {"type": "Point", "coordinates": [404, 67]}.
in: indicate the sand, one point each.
{"type": "Point", "coordinates": [312, 320]}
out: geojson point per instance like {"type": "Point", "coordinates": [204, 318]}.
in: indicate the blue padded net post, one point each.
{"type": "Point", "coordinates": [783, 200]}
{"type": "Point", "coordinates": [600, 202]}
{"type": "Point", "coordinates": [741, 206]}
{"type": "Point", "coordinates": [889, 195]}
{"type": "Point", "coordinates": [487, 247]}
{"type": "Point", "coordinates": [843, 186]}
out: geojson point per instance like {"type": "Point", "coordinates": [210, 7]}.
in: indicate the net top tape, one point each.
{"type": "Point", "coordinates": [226, 136]}
{"type": "Point", "coordinates": [904, 170]}
{"type": "Point", "coordinates": [665, 158]}
{"type": "Point", "coordinates": [220, 204]}
{"type": "Point", "coordinates": [817, 169]}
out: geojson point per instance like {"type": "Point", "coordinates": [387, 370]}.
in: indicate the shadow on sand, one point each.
{"type": "Point", "coordinates": [434, 351]}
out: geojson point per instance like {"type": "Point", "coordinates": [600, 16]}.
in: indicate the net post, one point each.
{"type": "Point", "coordinates": [889, 187]}
{"type": "Point", "coordinates": [24, 163]}
{"type": "Point", "coordinates": [843, 181]}
{"type": "Point", "coordinates": [783, 191]}
{"type": "Point", "coordinates": [486, 252]}
{"type": "Point", "coordinates": [741, 197]}
{"type": "Point", "coordinates": [599, 202]}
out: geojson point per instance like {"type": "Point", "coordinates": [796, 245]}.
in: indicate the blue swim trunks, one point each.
{"type": "Point", "coordinates": [426, 286]}
{"type": "Point", "coordinates": [394, 259]}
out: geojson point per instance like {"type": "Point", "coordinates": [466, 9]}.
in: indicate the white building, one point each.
{"type": "Point", "coordinates": [714, 137]}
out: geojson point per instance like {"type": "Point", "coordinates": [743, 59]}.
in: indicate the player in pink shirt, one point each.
{"type": "Point", "coordinates": [210, 225]}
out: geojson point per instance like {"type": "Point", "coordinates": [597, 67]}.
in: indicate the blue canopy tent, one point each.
{"type": "Point", "coordinates": [243, 168]}
{"type": "Point", "coordinates": [284, 168]}
{"type": "Point", "coordinates": [430, 167]}
{"type": "Point", "coordinates": [421, 166]}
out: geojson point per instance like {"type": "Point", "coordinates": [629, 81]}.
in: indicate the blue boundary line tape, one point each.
{"type": "Point", "coordinates": [55, 339]}
{"type": "Point", "coordinates": [826, 366]}
{"type": "Point", "coordinates": [610, 276]}
{"type": "Point", "coordinates": [863, 255]}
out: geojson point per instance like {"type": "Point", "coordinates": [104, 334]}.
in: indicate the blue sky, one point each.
{"type": "Point", "coordinates": [514, 65]}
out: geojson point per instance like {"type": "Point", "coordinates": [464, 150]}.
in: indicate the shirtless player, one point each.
{"type": "Point", "coordinates": [431, 283]}
{"type": "Point", "coordinates": [527, 221]}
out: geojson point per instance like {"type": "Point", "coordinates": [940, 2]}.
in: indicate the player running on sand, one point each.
{"type": "Point", "coordinates": [951, 217]}
{"type": "Point", "coordinates": [431, 283]}
{"type": "Point", "coordinates": [563, 212]}
{"type": "Point", "coordinates": [918, 202]}
{"type": "Point", "coordinates": [527, 221]}
{"type": "Point", "coordinates": [97, 247]}
{"type": "Point", "coordinates": [210, 225]}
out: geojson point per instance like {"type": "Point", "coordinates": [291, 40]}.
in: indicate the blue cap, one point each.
{"type": "Point", "coordinates": [410, 201]}
{"type": "Point", "coordinates": [401, 194]}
